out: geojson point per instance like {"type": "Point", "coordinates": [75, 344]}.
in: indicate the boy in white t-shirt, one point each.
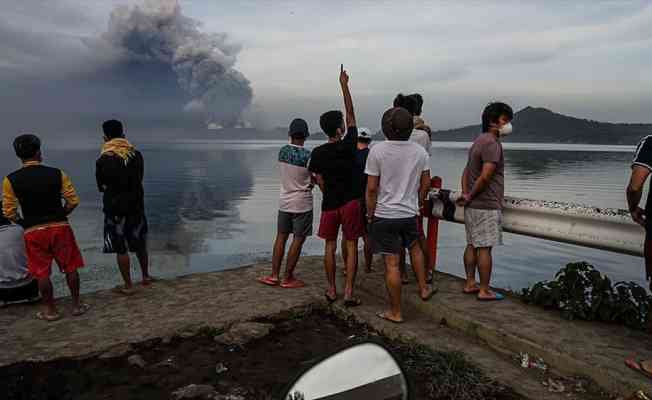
{"type": "Point", "coordinates": [398, 181]}
{"type": "Point", "coordinates": [295, 206]}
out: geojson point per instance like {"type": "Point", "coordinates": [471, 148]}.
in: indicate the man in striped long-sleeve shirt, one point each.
{"type": "Point", "coordinates": [38, 190]}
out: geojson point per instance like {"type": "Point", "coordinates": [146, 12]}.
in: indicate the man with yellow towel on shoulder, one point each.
{"type": "Point", "coordinates": [119, 174]}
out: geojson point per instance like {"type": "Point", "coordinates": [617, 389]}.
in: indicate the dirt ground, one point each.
{"type": "Point", "coordinates": [259, 369]}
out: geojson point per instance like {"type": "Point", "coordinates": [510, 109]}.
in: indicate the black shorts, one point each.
{"type": "Point", "coordinates": [20, 293]}
{"type": "Point", "coordinates": [125, 233]}
{"type": "Point", "coordinates": [390, 236]}
{"type": "Point", "coordinates": [298, 224]}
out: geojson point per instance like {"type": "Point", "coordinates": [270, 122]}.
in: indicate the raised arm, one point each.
{"type": "Point", "coordinates": [348, 101]}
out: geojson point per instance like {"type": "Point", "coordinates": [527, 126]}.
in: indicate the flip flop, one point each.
{"type": "Point", "coordinates": [495, 297]}
{"type": "Point", "coordinates": [268, 280]}
{"type": "Point", "coordinates": [49, 318]}
{"type": "Point", "coordinates": [123, 290]}
{"type": "Point", "coordinates": [83, 308]}
{"type": "Point", "coordinates": [475, 290]}
{"type": "Point", "coordinates": [148, 281]}
{"type": "Point", "coordinates": [382, 315]}
{"type": "Point", "coordinates": [433, 291]}
{"type": "Point", "coordinates": [330, 299]}
{"type": "Point", "coordinates": [352, 302]}
{"type": "Point", "coordinates": [293, 284]}
{"type": "Point", "coordinates": [637, 366]}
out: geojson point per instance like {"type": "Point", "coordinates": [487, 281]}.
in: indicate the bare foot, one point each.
{"type": "Point", "coordinates": [428, 293]}
{"type": "Point", "coordinates": [121, 289]}
{"type": "Point", "coordinates": [148, 280]}
{"type": "Point", "coordinates": [80, 310]}
{"type": "Point", "coordinates": [47, 317]}
{"type": "Point", "coordinates": [388, 316]}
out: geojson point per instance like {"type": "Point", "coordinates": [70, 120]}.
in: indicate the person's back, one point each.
{"type": "Point", "coordinates": [399, 164]}
{"type": "Point", "coordinates": [13, 260]}
{"type": "Point", "coordinates": [334, 162]}
{"type": "Point", "coordinates": [121, 181]}
{"type": "Point", "coordinates": [487, 149]}
{"type": "Point", "coordinates": [296, 182]}
{"type": "Point", "coordinates": [422, 138]}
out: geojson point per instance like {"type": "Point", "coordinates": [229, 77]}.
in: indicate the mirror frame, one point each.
{"type": "Point", "coordinates": [304, 370]}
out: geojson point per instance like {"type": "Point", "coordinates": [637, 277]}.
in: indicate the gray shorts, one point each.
{"type": "Point", "coordinates": [389, 236]}
{"type": "Point", "coordinates": [298, 224]}
{"type": "Point", "coordinates": [484, 228]}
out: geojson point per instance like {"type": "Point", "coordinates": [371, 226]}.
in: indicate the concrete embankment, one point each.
{"type": "Point", "coordinates": [490, 334]}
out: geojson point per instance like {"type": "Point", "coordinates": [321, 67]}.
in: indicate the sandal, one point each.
{"type": "Point", "coordinates": [352, 302]}
{"type": "Point", "coordinates": [268, 280]}
{"type": "Point", "coordinates": [384, 316]}
{"type": "Point", "coordinates": [81, 310]}
{"type": "Point", "coordinates": [433, 291]}
{"type": "Point", "coordinates": [292, 284]}
{"type": "Point", "coordinates": [121, 289]}
{"type": "Point", "coordinates": [495, 297]}
{"type": "Point", "coordinates": [49, 318]}
{"type": "Point", "coordinates": [639, 367]}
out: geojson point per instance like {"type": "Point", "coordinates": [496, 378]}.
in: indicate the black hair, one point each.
{"type": "Point", "coordinates": [298, 136]}
{"type": "Point", "coordinates": [113, 129]}
{"type": "Point", "coordinates": [419, 100]}
{"type": "Point", "coordinates": [364, 140]}
{"type": "Point", "coordinates": [3, 219]}
{"type": "Point", "coordinates": [27, 146]}
{"type": "Point", "coordinates": [407, 102]}
{"type": "Point", "coordinates": [397, 124]}
{"type": "Point", "coordinates": [493, 112]}
{"type": "Point", "coordinates": [330, 122]}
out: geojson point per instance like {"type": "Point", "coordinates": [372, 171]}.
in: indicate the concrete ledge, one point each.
{"type": "Point", "coordinates": [572, 348]}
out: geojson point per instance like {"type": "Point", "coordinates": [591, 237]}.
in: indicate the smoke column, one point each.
{"type": "Point", "coordinates": [158, 33]}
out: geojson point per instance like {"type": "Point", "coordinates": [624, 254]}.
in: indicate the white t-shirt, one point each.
{"type": "Point", "coordinates": [422, 138]}
{"type": "Point", "coordinates": [296, 185]}
{"type": "Point", "coordinates": [399, 165]}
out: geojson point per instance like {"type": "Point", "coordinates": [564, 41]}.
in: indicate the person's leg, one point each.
{"type": "Point", "coordinates": [344, 251]}
{"type": "Point", "coordinates": [45, 287]}
{"type": "Point", "coordinates": [368, 254]}
{"type": "Point", "coordinates": [278, 254]}
{"type": "Point", "coordinates": [470, 265]}
{"type": "Point", "coordinates": [402, 265]}
{"type": "Point", "coordinates": [393, 283]}
{"type": "Point", "coordinates": [143, 260]}
{"type": "Point", "coordinates": [293, 257]}
{"type": "Point", "coordinates": [647, 252]}
{"type": "Point", "coordinates": [485, 265]}
{"type": "Point", "coordinates": [351, 267]}
{"type": "Point", "coordinates": [329, 266]}
{"type": "Point", "coordinates": [124, 265]}
{"type": "Point", "coordinates": [72, 279]}
{"type": "Point", "coordinates": [417, 260]}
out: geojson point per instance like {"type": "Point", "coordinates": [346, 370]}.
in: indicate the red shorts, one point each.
{"type": "Point", "coordinates": [349, 216]}
{"type": "Point", "coordinates": [52, 243]}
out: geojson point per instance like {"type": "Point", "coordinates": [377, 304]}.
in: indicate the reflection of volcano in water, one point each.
{"type": "Point", "coordinates": [526, 163]}
{"type": "Point", "coordinates": [193, 196]}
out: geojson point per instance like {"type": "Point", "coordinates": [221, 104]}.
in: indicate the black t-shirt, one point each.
{"type": "Point", "coordinates": [359, 177]}
{"type": "Point", "coordinates": [122, 184]}
{"type": "Point", "coordinates": [643, 158]}
{"type": "Point", "coordinates": [335, 162]}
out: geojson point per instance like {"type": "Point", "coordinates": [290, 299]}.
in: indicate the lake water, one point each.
{"type": "Point", "coordinates": [212, 205]}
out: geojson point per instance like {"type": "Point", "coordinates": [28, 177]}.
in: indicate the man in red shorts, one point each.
{"type": "Point", "coordinates": [39, 191]}
{"type": "Point", "coordinates": [333, 163]}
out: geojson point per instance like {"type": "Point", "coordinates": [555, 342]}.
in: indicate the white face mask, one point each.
{"type": "Point", "coordinates": [505, 129]}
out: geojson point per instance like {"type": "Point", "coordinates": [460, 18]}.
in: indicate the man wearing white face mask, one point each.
{"type": "Point", "coordinates": [483, 187]}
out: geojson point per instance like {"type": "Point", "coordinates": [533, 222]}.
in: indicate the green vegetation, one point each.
{"type": "Point", "coordinates": [580, 291]}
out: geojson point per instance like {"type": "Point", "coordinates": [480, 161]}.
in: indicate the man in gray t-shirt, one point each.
{"type": "Point", "coordinates": [483, 187]}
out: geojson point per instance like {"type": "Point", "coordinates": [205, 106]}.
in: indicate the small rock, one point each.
{"type": "Point", "coordinates": [242, 333]}
{"type": "Point", "coordinates": [220, 367]}
{"type": "Point", "coordinates": [137, 361]}
{"type": "Point", "coordinates": [194, 392]}
{"type": "Point", "coordinates": [555, 387]}
{"type": "Point", "coordinates": [167, 363]}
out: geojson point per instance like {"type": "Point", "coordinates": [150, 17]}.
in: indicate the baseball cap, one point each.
{"type": "Point", "coordinates": [364, 133]}
{"type": "Point", "coordinates": [299, 126]}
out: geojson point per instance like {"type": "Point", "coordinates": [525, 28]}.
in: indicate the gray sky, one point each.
{"type": "Point", "coordinates": [589, 59]}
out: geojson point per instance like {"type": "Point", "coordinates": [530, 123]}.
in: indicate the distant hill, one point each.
{"type": "Point", "coordinates": [531, 125]}
{"type": "Point", "coordinates": [539, 125]}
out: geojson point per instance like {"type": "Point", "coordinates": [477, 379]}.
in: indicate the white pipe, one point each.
{"type": "Point", "coordinates": [604, 229]}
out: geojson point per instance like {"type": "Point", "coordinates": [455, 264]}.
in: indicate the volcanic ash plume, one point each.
{"type": "Point", "coordinates": [157, 32]}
